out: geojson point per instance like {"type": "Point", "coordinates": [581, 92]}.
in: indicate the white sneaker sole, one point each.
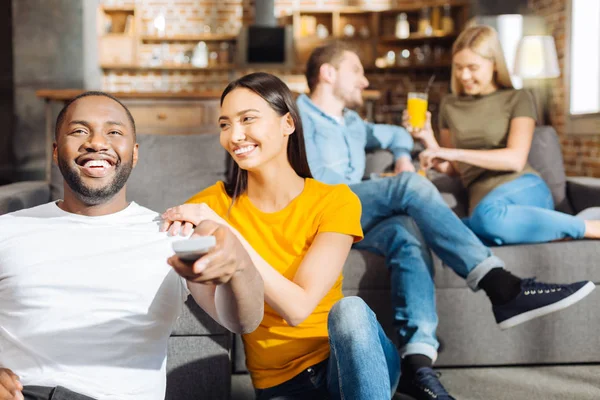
{"type": "Point", "coordinates": [550, 308]}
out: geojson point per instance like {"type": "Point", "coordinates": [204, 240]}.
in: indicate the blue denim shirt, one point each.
{"type": "Point", "coordinates": [337, 153]}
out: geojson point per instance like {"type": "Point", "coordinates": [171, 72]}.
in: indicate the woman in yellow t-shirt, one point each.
{"type": "Point", "coordinates": [312, 342]}
{"type": "Point", "coordinates": [486, 130]}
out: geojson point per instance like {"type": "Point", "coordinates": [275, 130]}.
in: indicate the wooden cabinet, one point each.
{"type": "Point", "coordinates": [117, 39]}
{"type": "Point", "coordinates": [175, 117]}
{"type": "Point", "coordinates": [117, 50]}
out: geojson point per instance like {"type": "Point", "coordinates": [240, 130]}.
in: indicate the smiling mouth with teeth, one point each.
{"type": "Point", "coordinates": [244, 150]}
{"type": "Point", "coordinates": [96, 167]}
{"type": "Point", "coordinates": [96, 164]}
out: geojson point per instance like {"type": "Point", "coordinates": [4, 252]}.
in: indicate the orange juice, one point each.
{"type": "Point", "coordinates": [417, 109]}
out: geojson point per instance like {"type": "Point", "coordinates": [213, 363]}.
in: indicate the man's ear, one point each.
{"type": "Point", "coordinates": [135, 154]}
{"type": "Point", "coordinates": [327, 73]}
{"type": "Point", "coordinates": [288, 124]}
{"type": "Point", "coordinates": [55, 153]}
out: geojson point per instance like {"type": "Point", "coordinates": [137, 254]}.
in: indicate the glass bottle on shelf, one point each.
{"type": "Point", "coordinates": [200, 57]}
{"type": "Point", "coordinates": [425, 22]}
{"type": "Point", "coordinates": [436, 23]}
{"type": "Point", "coordinates": [390, 58]}
{"type": "Point", "coordinates": [160, 22]}
{"type": "Point", "coordinates": [224, 53]}
{"type": "Point", "coordinates": [213, 59]}
{"type": "Point", "coordinates": [402, 27]}
{"type": "Point", "coordinates": [447, 21]}
{"type": "Point", "coordinates": [403, 58]}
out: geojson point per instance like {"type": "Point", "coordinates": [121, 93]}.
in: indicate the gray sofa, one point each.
{"type": "Point", "coordinates": [172, 168]}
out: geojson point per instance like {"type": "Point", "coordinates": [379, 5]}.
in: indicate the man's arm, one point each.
{"type": "Point", "coordinates": [224, 282]}
{"type": "Point", "coordinates": [389, 137]}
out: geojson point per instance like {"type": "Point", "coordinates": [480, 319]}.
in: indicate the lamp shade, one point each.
{"type": "Point", "coordinates": [536, 58]}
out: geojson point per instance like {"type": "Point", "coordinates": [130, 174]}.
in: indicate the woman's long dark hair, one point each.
{"type": "Point", "coordinates": [280, 99]}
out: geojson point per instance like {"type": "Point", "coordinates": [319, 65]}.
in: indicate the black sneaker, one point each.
{"type": "Point", "coordinates": [423, 385]}
{"type": "Point", "coordinates": [537, 299]}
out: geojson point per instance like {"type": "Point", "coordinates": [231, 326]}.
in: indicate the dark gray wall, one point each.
{"type": "Point", "coordinates": [48, 54]}
{"type": "Point", "coordinates": [6, 93]}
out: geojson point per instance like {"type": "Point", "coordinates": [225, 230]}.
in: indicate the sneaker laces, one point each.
{"type": "Point", "coordinates": [532, 286]}
{"type": "Point", "coordinates": [428, 380]}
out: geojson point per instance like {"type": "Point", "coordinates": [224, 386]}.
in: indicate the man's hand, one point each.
{"type": "Point", "coordinates": [221, 263]}
{"type": "Point", "coordinates": [10, 386]}
{"type": "Point", "coordinates": [403, 164]}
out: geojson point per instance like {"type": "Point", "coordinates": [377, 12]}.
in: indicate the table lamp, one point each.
{"type": "Point", "coordinates": [535, 62]}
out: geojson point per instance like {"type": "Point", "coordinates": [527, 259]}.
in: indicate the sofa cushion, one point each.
{"type": "Point", "coordinates": [567, 261]}
{"type": "Point", "coordinates": [198, 367]}
{"type": "Point", "coordinates": [378, 161]}
{"type": "Point", "coordinates": [554, 262]}
{"type": "Point", "coordinates": [173, 168]}
{"type": "Point", "coordinates": [19, 195]}
{"type": "Point", "coordinates": [546, 158]}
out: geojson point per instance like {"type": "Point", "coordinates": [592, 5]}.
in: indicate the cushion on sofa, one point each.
{"type": "Point", "coordinates": [546, 158]}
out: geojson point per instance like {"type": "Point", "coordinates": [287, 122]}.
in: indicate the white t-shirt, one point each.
{"type": "Point", "coordinates": [88, 303]}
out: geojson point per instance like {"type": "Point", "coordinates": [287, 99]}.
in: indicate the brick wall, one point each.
{"type": "Point", "coordinates": [581, 152]}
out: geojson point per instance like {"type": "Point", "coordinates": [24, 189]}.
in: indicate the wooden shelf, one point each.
{"type": "Point", "coordinates": [417, 37]}
{"type": "Point", "coordinates": [117, 34]}
{"type": "Point", "coordinates": [419, 6]}
{"type": "Point", "coordinates": [227, 67]}
{"type": "Point", "coordinates": [208, 37]}
{"type": "Point", "coordinates": [68, 94]}
{"type": "Point", "coordinates": [319, 41]}
{"type": "Point", "coordinates": [396, 68]}
{"type": "Point", "coordinates": [113, 9]}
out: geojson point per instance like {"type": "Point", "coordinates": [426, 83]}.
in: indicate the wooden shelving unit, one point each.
{"type": "Point", "coordinates": [117, 37]}
{"type": "Point", "coordinates": [210, 37]}
{"type": "Point", "coordinates": [119, 40]}
{"type": "Point", "coordinates": [373, 33]}
{"type": "Point", "coordinates": [228, 67]}
{"type": "Point", "coordinates": [402, 68]}
{"type": "Point", "coordinates": [417, 37]}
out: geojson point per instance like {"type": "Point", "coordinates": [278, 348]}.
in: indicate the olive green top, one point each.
{"type": "Point", "coordinates": [482, 123]}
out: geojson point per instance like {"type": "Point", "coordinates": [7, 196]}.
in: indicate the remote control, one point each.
{"type": "Point", "coordinates": [194, 248]}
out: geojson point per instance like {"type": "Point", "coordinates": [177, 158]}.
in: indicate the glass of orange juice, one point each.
{"type": "Point", "coordinates": [417, 109]}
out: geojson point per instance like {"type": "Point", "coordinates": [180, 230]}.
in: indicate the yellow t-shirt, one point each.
{"type": "Point", "coordinates": [276, 351]}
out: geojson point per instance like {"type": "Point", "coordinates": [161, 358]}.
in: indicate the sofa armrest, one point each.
{"type": "Point", "coordinates": [16, 196]}
{"type": "Point", "coordinates": [583, 192]}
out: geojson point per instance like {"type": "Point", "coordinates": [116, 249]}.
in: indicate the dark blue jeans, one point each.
{"type": "Point", "coordinates": [363, 364]}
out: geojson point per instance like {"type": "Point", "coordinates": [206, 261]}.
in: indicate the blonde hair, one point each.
{"type": "Point", "coordinates": [483, 41]}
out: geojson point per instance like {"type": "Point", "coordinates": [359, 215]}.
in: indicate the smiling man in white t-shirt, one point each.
{"type": "Point", "coordinates": [87, 296]}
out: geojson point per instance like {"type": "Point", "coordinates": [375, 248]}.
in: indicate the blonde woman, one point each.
{"type": "Point", "coordinates": [486, 129]}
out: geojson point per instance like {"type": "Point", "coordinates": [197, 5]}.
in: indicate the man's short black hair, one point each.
{"type": "Point", "coordinates": [61, 115]}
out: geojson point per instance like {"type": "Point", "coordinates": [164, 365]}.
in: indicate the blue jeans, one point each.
{"type": "Point", "coordinates": [403, 217]}
{"type": "Point", "coordinates": [522, 211]}
{"type": "Point", "coordinates": [363, 364]}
